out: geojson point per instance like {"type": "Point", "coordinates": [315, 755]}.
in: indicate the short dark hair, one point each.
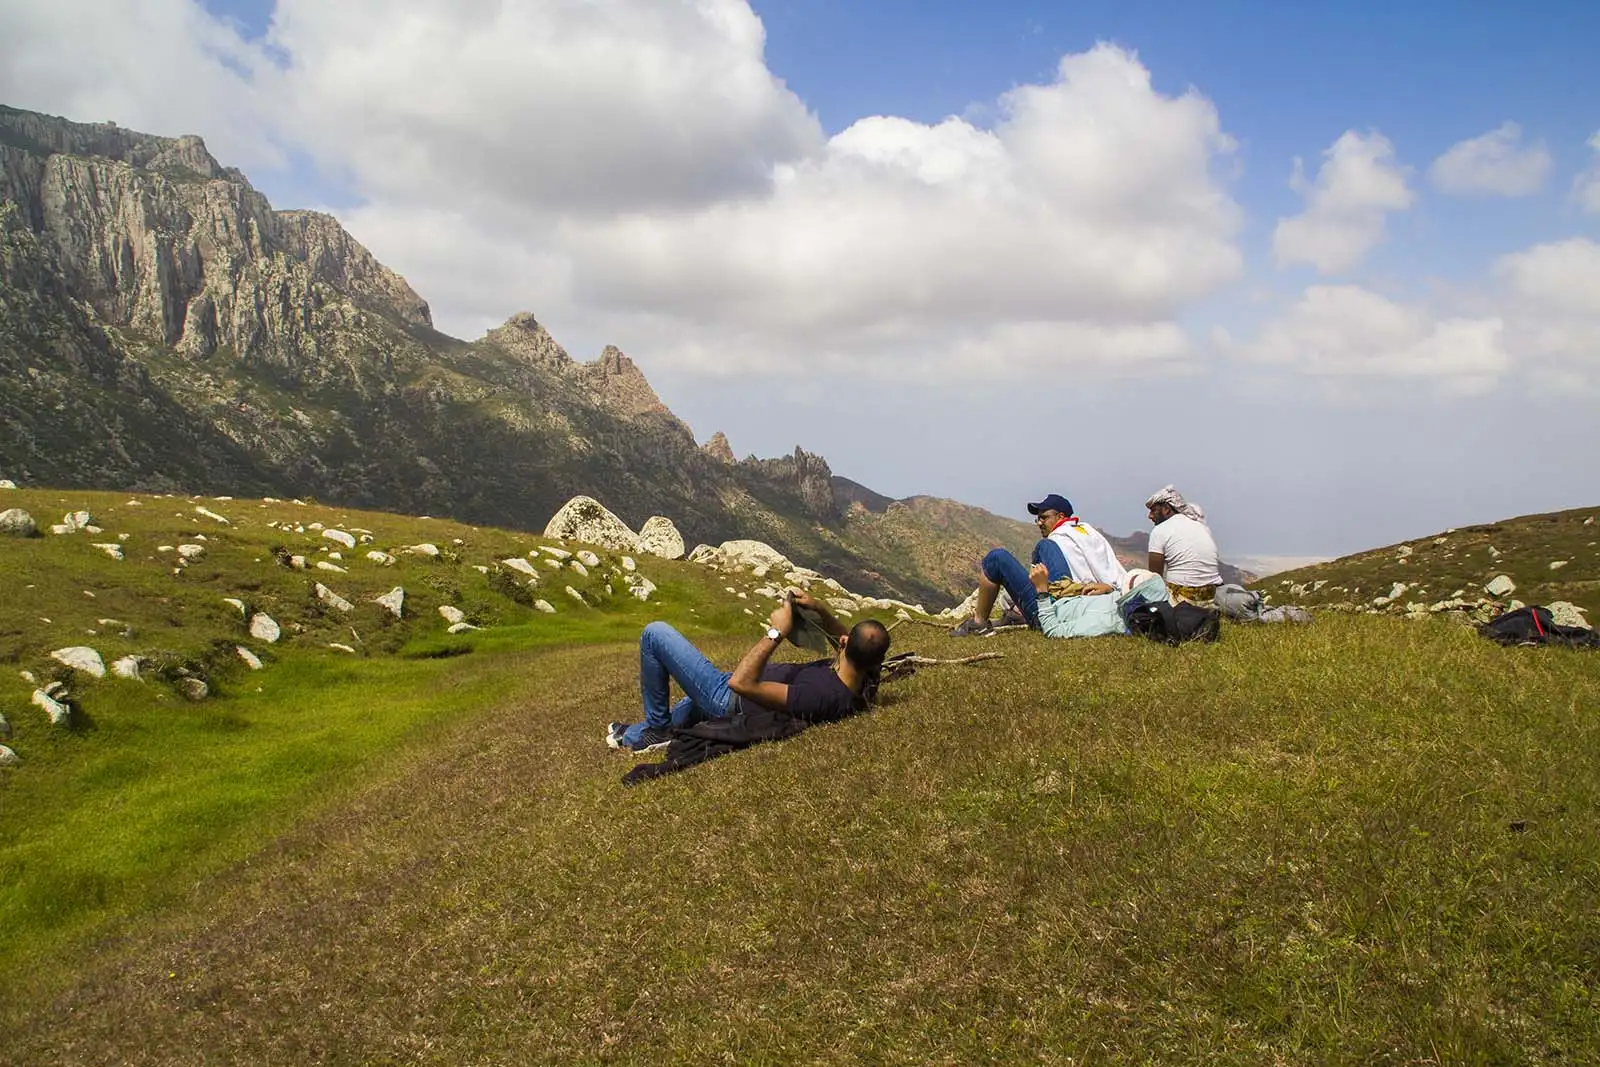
{"type": "Point", "coordinates": [868, 644]}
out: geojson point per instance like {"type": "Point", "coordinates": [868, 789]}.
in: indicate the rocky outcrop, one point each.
{"type": "Point", "coordinates": [660, 537]}
{"type": "Point", "coordinates": [14, 522]}
{"type": "Point", "coordinates": [807, 476]}
{"type": "Point", "coordinates": [618, 383]}
{"type": "Point", "coordinates": [522, 335]}
{"type": "Point", "coordinates": [719, 449]}
{"type": "Point", "coordinates": [585, 519]}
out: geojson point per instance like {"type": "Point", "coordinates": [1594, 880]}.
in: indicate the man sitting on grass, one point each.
{"type": "Point", "coordinates": [1068, 548]}
{"type": "Point", "coordinates": [787, 696]}
{"type": "Point", "coordinates": [1182, 549]}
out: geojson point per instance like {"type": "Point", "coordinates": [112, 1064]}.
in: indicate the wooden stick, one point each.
{"type": "Point", "coordinates": [929, 661]}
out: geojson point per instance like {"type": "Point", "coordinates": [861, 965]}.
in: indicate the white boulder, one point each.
{"type": "Point", "coordinates": [424, 549]}
{"type": "Point", "coordinates": [520, 565]}
{"type": "Point", "coordinates": [1501, 585]}
{"type": "Point", "coordinates": [251, 660]}
{"type": "Point", "coordinates": [236, 604]}
{"type": "Point", "coordinates": [8, 758]}
{"type": "Point", "coordinates": [81, 658]}
{"type": "Point", "coordinates": [461, 627]}
{"type": "Point", "coordinates": [575, 595]}
{"type": "Point", "coordinates": [452, 614]}
{"type": "Point", "coordinates": [587, 558]}
{"type": "Point", "coordinates": [212, 515]}
{"type": "Point", "coordinates": [641, 587]}
{"type": "Point", "coordinates": [7, 483]}
{"type": "Point", "coordinates": [60, 714]}
{"type": "Point", "coordinates": [555, 553]}
{"type": "Point", "coordinates": [340, 537]}
{"type": "Point", "coordinates": [14, 522]}
{"type": "Point", "coordinates": [324, 565]}
{"type": "Point", "coordinates": [382, 559]}
{"type": "Point", "coordinates": [585, 519]}
{"type": "Point", "coordinates": [191, 551]}
{"type": "Point", "coordinates": [111, 549]}
{"type": "Point", "coordinates": [264, 628]}
{"type": "Point", "coordinates": [629, 565]}
{"type": "Point", "coordinates": [394, 600]}
{"type": "Point", "coordinates": [544, 606]}
{"type": "Point", "coordinates": [659, 537]}
{"type": "Point", "coordinates": [337, 647]}
{"type": "Point", "coordinates": [126, 667]}
{"type": "Point", "coordinates": [1564, 613]}
{"type": "Point", "coordinates": [578, 566]}
{"type": "Point", "coordinates": [332, 599]}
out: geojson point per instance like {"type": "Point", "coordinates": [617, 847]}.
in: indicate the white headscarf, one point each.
{"type": "Point", "coordinates": [1174, 499]}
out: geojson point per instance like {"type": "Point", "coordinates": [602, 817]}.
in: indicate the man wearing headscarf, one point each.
{"type": "Point", "coordinates": [1182, 549]}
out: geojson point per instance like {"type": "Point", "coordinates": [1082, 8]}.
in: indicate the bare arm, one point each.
{"type": "Point", "coordinates": [746, 680]}
{"type": "Point", "coordinates": [1158, 563]}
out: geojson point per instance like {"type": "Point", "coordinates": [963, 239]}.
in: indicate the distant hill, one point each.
{"type": "Point", "coordinates": [1549, 557]}
{"type": "Point", "coordinates": [164, 328]}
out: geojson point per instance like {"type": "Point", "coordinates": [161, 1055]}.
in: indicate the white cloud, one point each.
{"type": "Point", "coordinates": [1357, 184]}
{"type": "Point", "coordinates": [158, 66]}
{"type": "Point", "coordinates": [1347, 332]}
{"type": "Point", "coordinates": [1495, 164]}
{"type": "Point", "coordinates": [1072, 232]}
{"type": "Point", "coordinates": [1586, 189]}
{"type": "Point", "coordinates": [1549, 293]}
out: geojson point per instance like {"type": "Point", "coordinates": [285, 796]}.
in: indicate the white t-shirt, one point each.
{"type": "Point", "coordinates": [1189, 550]}
{"type": "Point", "coordinates": [1089, 554]}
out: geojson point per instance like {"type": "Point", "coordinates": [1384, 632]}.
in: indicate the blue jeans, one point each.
{"type": "Point", "coordinates": [1004, 569]}
{"type": "Point", "coordinates": [666, 656]}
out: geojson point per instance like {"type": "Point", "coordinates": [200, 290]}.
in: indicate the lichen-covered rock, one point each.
{"type": "Point", "coordinates": [659, 537]}
{"type": "Point", "coordinates": [585, 519]}
{"type": "Point", "coordinates": [81, 658]}
{"type": "Point", "coordinates": [452, 614]}
{"type": "Point", "coordinates": [332, 599]}
{"type": "Point", "coordinates": [629, 565]}
{"type": "Point", "coordinates": [588, 559]}
{"type": "Point", "coordinates": [111, 549]}
{"type": "Point", "coordinates": [8, 758]}
{"type": "Point", "coordinates": [15, 522]}
{"type": "Point", "coordinates": [394, 600]}
{"type": "Point", "coordinates": [1565, 613]}
{"type": "Point", "coordinates": [58, 711]}
{"type": "Point", "coordinates": [264, 628]}
{"type": "Point", "coordinates": [191, 552]}
{"type": "Point", "coordinates": [126, 667]}
{"type": "Point", "coordinates": [640, 587]}
{"type": "Point", "coordinates": [251, 660]}
{"type": "Point", "coordinates": [1501, 585]}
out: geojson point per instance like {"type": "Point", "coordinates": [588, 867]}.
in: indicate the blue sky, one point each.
{"type": "Point", "coordinates": [788, 269]}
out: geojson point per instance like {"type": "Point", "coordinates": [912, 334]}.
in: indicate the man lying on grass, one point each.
{"type": "Point", "coordinates": [756, 701]}
{"type": "Point", "coordinates": [1090, 609]}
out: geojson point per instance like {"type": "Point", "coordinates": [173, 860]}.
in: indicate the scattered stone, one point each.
{"type": "Point", "coordinates": [58, 528]}
{"type": "Point", "coordinates": [452, 614]}
{"type": "Point", "coordinates": [1501, 585]}
{"type": "Point", "coordinates": [394, 600]}
{"type": "Point", "coordinates": [60, 714]}
{"type": "Point", "coordinates": [544, 606]}
{"type": "Point", "coordinates": [297, 563]}
{"type": "Point", "coordinates": [640, 587]}
{"type": "Point", "coordinates": [575, 595]}
{"type": "Point", "coordinates": [81, 658]}
{"type": "Point", "coordinates": [1494, 553]}
{"type": "Point", "coordinates": [461, 627]}
{"type": "Point", "coordinates": [264, 628]}
{"type": "Point", "coordinates": [1589, 521]}
{"type": "Point", "coordinates": [191, 551]}
{"type": "Point", "coordinates": [236, 604]}
{"type": "Point", "coordinates": [339, 536]}
{"type": "Point", "coordinates": [314, 526]}
{"type": "Point", "coordinates": [553, 564]}
{"type": "Point", "coordinates": [212, 515]}
{"type": "Point", "coordinates": [629, 565]}
{"type": "Point", "coordinates": [425, 549]}
{"type": "Point", "coordinates": [382, 559]}
{"type": "Point", "coordinates": [1398, 590]}
{"type": "Point", "coordinates": [1564, 613]}
{"type": "Point", "coordinates": [555, 553]}
{"type": "Point", "coordinates": [8, 758]}
{"type": "Point", "coordinates": [521, 566]}
{"type": "Point", "coordinates": [336, 556]}
{"type": "Point", "coordinates": [332, 599]}
{"type": "Point", "coordinates": [7, 483]}
{"type": "Point", "coordinates": [1557, 564]}
{"type": "Point", "coordinates": [1403, 551]}
{"type": "Point", "coordinates": [14, 522]}
{"type": "Point", "coordinates": [337, 647]}
{"type": "Point", "coordinates": [112, 549]}
{"type": "Point", "coordinates": [585, 519]}
{"type": "Point", "coordinates": [26, 676]}
{"type": "Point", "coordinates": [126, 667]}
{"type": "Point", "coordinates": [588, 559]}
{"type": "Point", "coordinates": [480, 568]}
{"type": "Point", "coordinates": [324, 565]}
{"type": "Point", "coordinates": [659, 537]}
{"type": "Point", "coordinates": [5, 729]}
{"type": "Point", "coordinates": [579, 567]}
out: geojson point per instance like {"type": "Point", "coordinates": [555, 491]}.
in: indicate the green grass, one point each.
{"type": "Point", "coordinates": [1362, 841]}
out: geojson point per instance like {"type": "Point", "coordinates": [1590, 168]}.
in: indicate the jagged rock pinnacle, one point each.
{"type": "Point", "coordinates": [719, 448]}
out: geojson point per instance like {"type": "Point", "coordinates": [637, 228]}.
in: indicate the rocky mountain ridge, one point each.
{"type": "Point", "coordinates": [164, 328]}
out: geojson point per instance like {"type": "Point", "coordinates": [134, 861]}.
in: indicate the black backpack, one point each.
{"type": "Point", "coordinates": [1174, 624]}
{"type": "Point", "coordinates": [1535, 626]}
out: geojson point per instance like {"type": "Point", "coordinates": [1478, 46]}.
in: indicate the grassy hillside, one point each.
{"type": "Point", "coordinates": [1361, 841]}
{"type": "Point", "coordinates": [1550, 557]}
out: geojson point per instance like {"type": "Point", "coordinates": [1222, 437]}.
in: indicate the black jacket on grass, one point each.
{"type": "Point", "coordinates": [750, 725]}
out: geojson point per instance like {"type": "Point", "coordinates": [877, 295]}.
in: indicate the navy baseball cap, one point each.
{"type": "Point", "coordinates": [1053, 502]}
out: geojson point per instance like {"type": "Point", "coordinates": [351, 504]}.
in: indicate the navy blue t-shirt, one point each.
{"type": "Point", "coordinates": [815, 692]}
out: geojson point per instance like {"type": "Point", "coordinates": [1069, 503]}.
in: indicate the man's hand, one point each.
{"type": "Point", "coordinates": [803, 599]}
{"type": "Point", "coordinates": [782, 618]}
{"type": "Point", "coordinates": [1039, 575]}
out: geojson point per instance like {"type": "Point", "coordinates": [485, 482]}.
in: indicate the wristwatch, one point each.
{"type": "Point", "coordinates": [774, 634]}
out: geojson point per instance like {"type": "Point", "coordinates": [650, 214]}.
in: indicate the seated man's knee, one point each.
{"type": "Point", "coordinates": [655, 631]}
{"type": "Point", "coordinates": [994, 563]}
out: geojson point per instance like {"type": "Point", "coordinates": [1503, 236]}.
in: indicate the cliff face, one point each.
{"type": "Point", "coordinates": [162, 327]}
